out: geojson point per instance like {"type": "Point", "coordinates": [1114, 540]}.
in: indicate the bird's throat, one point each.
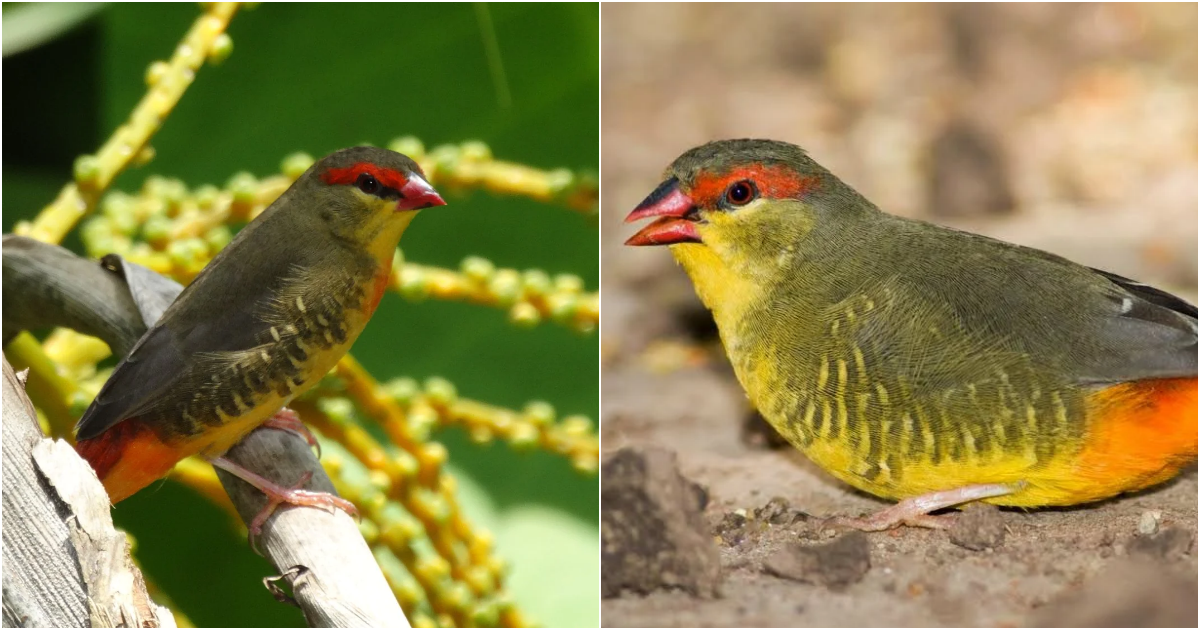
{"type": "Point", "coordinates": [724, 291]}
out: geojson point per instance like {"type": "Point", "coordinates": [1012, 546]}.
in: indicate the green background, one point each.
{"type": "Point", "coordinates": [317, 78]}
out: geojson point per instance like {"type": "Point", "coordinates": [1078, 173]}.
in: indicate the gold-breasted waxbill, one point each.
{"type": "Point", "coordinates": [261, 324]}
{"type": "Point", "coordinates": [921, 363]}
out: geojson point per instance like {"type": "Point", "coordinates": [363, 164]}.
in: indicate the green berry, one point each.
{"type": "Point", "coordinates": [540, 413]}
{"type": "Point", "coordinates": [524, 437]}
{"type": "Point", "coordinates": [87, 170]}
{"type": "Point", "coordinates": [406, 466]}
{"type": "Point", "coordinates": [189, 253]}
{"type": "Point", "coordinates": [585, 464]}
{"type": "Point", "coordinates": [485, 615]}
{"type": "Point", "coordinates": [340, 410]}
{"type": "Point", "coordinates": [174, 192]}
{"type": "Point", "coordinates": [244, 187]}
{"type": "Point", "coordinates": [456, 596]}
{"type": "Point", "coordinates": [568, 283]}
{"type": "Point", "coordinates": [369, 530]}
{"type": "Point", "coordinates": [506, 286]}
{"type": "Point", "coordinates": [414, 285]}
{"type": "Point", "coordinates": [207, 195]}
{"type": "Point", "coordinates": [562, 181]}
{"type": "Point", "coordinates": [525, 315]}
{"type": "Point", "coordinates": [440, 391]}
{"type": "Point", "coordinates": [409, 592]}
{"type": "Point", "coordinates": [157, 229]}
{"type": "Point", "coordinates": [155, 72]}
{"type": "Point", "coordinates": [218, 237]}
{"type": "Point", "coordinates": [408, 145]}
{"type": "Point", "coordinates": [476, 151]}
{"type": "Point", "coordinates": [480, 434]}
{"type": "Point", "coordinates": [294, 165]}
{"type": "Point", "coordinates": [536, 282]}
{"type": "Point", "coordinates": [222, 47]}
{"type": "Point", "coordinates": [402, 390]}
{"type": "Point", "coordinates": [477, 268]}
{"type": "Point", "coordinates": [562, 307]}
{"type": "Point", "coordinates": [421, 420]}
{"type": "Point", "coordinates": [445, 158]}
{"type": "Point", "coordinates": [577, 425]}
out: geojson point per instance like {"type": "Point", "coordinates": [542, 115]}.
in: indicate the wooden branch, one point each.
{"type": "Point", "coordinates": [64, 564]}
{"type": "Point", "coordinates": [48, 286]}
{"type": "Point", "coordinates": [339, 583]}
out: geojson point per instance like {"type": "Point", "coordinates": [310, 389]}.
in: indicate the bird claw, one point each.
{"type": "Point", "coordinates": [886, 519]}
{"type": "Point", "coordinates": [296, 495]}
{"type": "Point", "coordinates": [278, 495]}
{"type": "Point", "coordinates": [915, 511]}
{"type": "Point", "coordinates": [287, 420]}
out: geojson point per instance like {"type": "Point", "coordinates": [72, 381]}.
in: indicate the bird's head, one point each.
{"type": "Point", "coordinates": [363, 192]}
{"type": "Point", "coordinates": [738, 186]}
{"type": "Point", "coordinates": [739, 210]}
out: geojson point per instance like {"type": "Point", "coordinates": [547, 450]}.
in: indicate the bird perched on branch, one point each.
{"type": "Point", "coordinates": [920, 363]}
{"type": "Point", "coordinates": [261, 324]}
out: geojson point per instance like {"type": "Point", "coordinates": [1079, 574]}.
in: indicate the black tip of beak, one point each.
{"type": "Point", "coordinates": [652, 200]}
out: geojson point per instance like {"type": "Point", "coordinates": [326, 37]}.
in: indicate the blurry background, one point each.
{"type": "Point", "coordinates": [316, 78]}
{"type": "Point", "coordinates": [1067, 127]}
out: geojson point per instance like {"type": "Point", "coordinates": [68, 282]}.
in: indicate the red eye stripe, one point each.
{"type": "Point", "coordinates": [774, 182]}
{"type": "Point", "coordinates": [349, 175]}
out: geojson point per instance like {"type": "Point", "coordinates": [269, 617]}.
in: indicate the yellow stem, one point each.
{"type": "Point", "coordinates": [49, 390]}
{"type": "Point", "coordinates": [78, 199]}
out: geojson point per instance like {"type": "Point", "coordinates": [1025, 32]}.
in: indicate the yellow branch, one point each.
{"type": "Point", "coordinates": [169, 80]}
{"type": "Point", "coordinates": [470, 165]}
{"type": "Point", "coordinates": [529, 297]}
{"type": "Point", "coordinates": [50, 392]}
{"type": "Point", "coordinates": [535, 426]}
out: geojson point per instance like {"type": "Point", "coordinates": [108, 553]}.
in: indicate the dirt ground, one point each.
{"type": "Point", "coordinates": [1077, 125]}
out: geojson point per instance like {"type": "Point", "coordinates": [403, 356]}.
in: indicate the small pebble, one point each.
{"type": "Point", "coordinates": [1148, 523]}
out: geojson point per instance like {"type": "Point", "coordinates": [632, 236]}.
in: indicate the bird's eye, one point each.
{"type": "Point", "coordinates": [741, 193]}
{"type": "Point", "coordinates": [367, 183]}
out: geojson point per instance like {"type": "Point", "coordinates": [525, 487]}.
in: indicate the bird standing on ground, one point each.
{"type": "Point", "coordinates": [921, 363]}
{"type": "Point", "coordinates": [260, 325]}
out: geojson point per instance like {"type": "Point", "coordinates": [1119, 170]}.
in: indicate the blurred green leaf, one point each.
{"type": "Point", "coordinates": [28, 24]}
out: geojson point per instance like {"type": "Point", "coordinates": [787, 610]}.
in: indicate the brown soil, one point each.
{"type": "Point", "coordinates": [1046, 107]}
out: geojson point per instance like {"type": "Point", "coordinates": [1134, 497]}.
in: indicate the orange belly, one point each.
{"type": "Point", "coordinates": [127, 457]}
{"type": "Point", "coordinates": [1140, 434]}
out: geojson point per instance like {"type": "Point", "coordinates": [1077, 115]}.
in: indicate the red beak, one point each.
{"type": "Point", "coordinates": [416, 194]}
{"type": "Point", "coordinates": [676, 212]}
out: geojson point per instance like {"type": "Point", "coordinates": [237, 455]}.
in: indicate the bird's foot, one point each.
{"type": "Point", "coordinates": [277, 495]}
{"type": "Point", "coordinates": [915, 512]}
{"type": "Point", "coordinates": [287, 420]}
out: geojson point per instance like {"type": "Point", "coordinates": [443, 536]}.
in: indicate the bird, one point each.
{"type": "Point", "coordinates": [922, 364]}
{"type": "Point", "coordinates": [262, 323]}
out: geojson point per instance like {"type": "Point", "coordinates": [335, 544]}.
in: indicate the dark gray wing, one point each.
{"type": "Point", "coordinates": [159, 363]}
{"type": "Point", "coordinates": [222, 310]}
{"type": "Point", "coordinates": [1148, 333]}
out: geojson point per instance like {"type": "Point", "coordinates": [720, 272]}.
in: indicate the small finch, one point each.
{"type": "Point", "coordinates": [924, 364]}
{"type": "Point", "coordinates": [260, 325]}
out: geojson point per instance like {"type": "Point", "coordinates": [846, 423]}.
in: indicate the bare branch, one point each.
{"type": "Point", "coordinates": [64, 564]}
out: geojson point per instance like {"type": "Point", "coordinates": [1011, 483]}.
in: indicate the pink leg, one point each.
{"type": "Point", "coordinates": [915, 511]}
{"type": "Point", "coordinates": [277, 495]}
{"type": "Point", "coordinates": [287, 420]}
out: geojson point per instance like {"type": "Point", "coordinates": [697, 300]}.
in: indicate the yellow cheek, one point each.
{"type": "Point", "coordinates": [718, 273]}
{"type": "Point", "coordinates": [381, 230]}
